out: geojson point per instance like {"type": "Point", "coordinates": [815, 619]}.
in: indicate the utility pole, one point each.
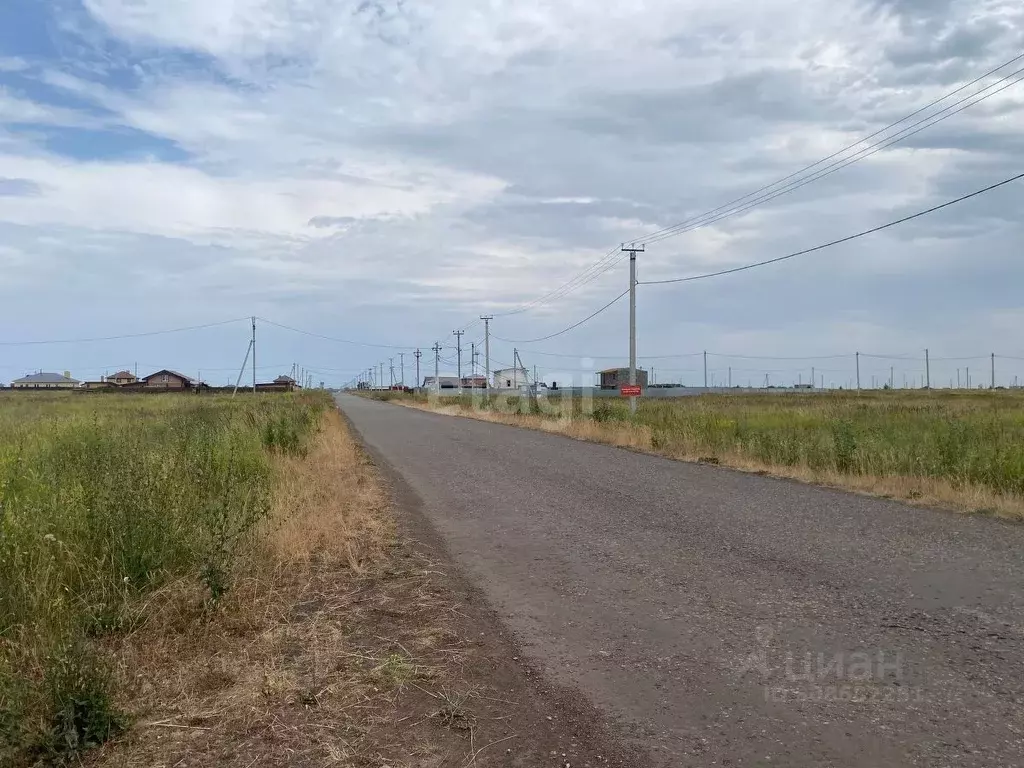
{"type": "Point", "coordinates": [515, 368]}
{"type": "Point", "coordinates": [967, 371]}
{"type": "Point", "coordinates": [632, 251]}
{"type": "Point", "coordinates": [254, 354]}
{"type": "Point", "coordinates": [892, 377]}
{"type": "Point", "coordinates": [472, 358]}
{"type": "Point", "coordinates": [458, 336]}
{"type": "Point", "coordinates": [993, 370]}
{"type": "Point", "coordinates": [814, 379]}
{"type": "Point", "coordinates": [730, 377]}
{"type": "Point", "coordinates": [927, 371]}
{"type": "Point", "coordinates": [437, 372]}
{"type": "Point", "coordinates": [418, 355]}
{"type": "Point", "coordinates": [401, 357]}
{"type": "Point", "coordinates": [858, 371]}
{"type": "Point", "coordinates": [958, 378]}
{"type": "Point", "coordinates": [392, 364]}
{"type": "Point", "coordinates": [705, 369]}
{"type": "Point", "coordinates": [487, 352]}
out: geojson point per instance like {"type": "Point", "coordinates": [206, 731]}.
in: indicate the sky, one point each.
{"type": "Point", "coordinates": [386, 172]}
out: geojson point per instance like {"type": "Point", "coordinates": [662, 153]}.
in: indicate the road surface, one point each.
{"type": "Point", "coordinates": [729, 619]}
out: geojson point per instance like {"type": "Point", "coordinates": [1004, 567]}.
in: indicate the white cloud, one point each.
{"type": "Point", "coordinates": [427, 162]}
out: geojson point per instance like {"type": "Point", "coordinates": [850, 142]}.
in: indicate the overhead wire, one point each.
{"type": "Point", "coordinates": [334, 338]}
{"type": "Point", "coordinates": [614, 256]}
{"type": "Point", "coordinates": [895, 138]}
{"type": "Point", "coordinates": [840, 241]}
{"type": "Point", "coordinates": [123, 335]}
{"type": "Point", "coordinates": [588, 318]}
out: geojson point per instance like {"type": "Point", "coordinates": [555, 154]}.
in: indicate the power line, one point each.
{"type": "Point", "coordinates": [847, 239]}
{"type": "Point", "coordinates": [613, 257]}
{"type": "Point", "coordinates": [686, 225]}
{"type": "Point", "coordinates": [566, 330]}
{"type": "Point", "coordinates": [566, 288]}
{"type": "Point", "coordinates": [123, 336]}
{"type": "Point", "coordinates": [333, 338]}
{"type": "Point", "coordinates": [829, 170]}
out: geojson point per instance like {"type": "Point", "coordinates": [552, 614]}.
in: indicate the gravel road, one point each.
{"type": "Point", "coordinates": [723, 618]}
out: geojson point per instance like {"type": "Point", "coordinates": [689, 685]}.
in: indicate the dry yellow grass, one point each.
{"type": "Point", "coordinates": [328, 505]}
{"type": "Point", "coordinates": [921, 491]}
{"type": "Point", "coordinates": [337, 644]}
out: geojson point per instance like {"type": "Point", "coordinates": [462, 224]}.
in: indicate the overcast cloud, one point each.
{"type": "Point", "coordinates": [387, 171]}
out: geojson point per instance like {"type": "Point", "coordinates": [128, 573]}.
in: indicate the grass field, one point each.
{"type": "Point", "coordinates": [104, 501]}
{"type": "Point", "coordinates": [960, 448]}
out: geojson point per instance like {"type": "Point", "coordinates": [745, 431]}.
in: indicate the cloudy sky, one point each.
{"type": "Point", "coordinates": [385, 172]}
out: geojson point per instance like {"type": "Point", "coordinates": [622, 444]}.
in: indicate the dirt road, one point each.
{"type": "Point", "coordinates": [727, 619]}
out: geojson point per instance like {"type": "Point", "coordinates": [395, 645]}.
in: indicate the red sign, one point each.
{"type": "Point", "coordinates": [630, 391]}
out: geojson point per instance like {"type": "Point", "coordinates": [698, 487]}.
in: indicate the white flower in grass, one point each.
{"type": "Point", "coordinates": [50, 537]}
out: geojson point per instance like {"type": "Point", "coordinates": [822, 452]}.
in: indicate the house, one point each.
{"type": "Point", "coordinates": [510, 378]}
{"type": "Point", "coordinates": [45, 381]}
{"type": "Point", "coordinates": [613, 378]}
{"type": "Point", "coordinates": [123, 378]}
{"type": "Point", "coordinates": [287, 383]}
{"type": "Point", "coordinates": [167, 379]}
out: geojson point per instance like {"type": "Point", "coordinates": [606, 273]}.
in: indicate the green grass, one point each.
{"type": "Point", "coordinates": [968, 439]}
{"type": "Point", "coordinates": [103, 500]}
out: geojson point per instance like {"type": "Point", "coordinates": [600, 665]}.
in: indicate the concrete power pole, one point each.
{"type": "Point", "coordinates": [254, 354]}
{"type": "Point", "coordinates": [437, 372]}
{"type": "Point", "coordinates": [401, 358]}
{"type": "Point", "coordinates": [418, 355]}
{"type": "Point", "coordinates": [993, 370]}
{"type": "Point", "coordinates": [858, 371]}
{"type": "Point", "coordinates": [927, 371]}
{"type": "Point", "coordinates": [487, 351]}
{"type": "Point", "coordinates": [632, 251]}
{"type": "Point", "coordinates": [705, 369]}
{"type": "Point", "coordinates": [391, 363]}
{"type": "Point", "coordinates": [458, 347]}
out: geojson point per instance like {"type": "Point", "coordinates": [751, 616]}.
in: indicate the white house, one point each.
{"type": "Point", "coordinates": [510, 378]}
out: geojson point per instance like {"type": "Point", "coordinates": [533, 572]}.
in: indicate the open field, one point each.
{"type": "Point", "coordinates": [201, 581]}
{"type": "Point", "coordinates": [103, 503]}
{"type": "Point", "coordinates": [963, 449]}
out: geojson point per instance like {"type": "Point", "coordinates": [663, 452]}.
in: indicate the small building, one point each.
{"type": "Point", "coordinates": [45, 381]}
{"type": "Point", "coordinates": [613, 378]}
{"type": "Point", "coordinates": [122, 378]}
{"type": "Point", "coordinates": [286, 383]}
{"type": "Point", "coordinates": [474, 382]}
{"type": "Point", "coordinates": [101, 384]}
{"type": "Point", "coordinates": [447, 382]}
{"type": "Point", "coordinates": [167, 379]}
{"type": "Point", "coordinates": [510, 378]}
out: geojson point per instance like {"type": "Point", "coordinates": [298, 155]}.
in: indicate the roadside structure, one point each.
{"type": "Point", "coordinates": [167, 379]}
{"type": "Point", "coordinates": [510, 378]}
{"type": "Point", "coordinates": [613, 378]}
{"type": "Point", "coordinates": [43, 380]}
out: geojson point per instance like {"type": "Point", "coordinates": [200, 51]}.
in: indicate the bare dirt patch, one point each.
{"type": "Point", "coordinates": [351, 640]}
